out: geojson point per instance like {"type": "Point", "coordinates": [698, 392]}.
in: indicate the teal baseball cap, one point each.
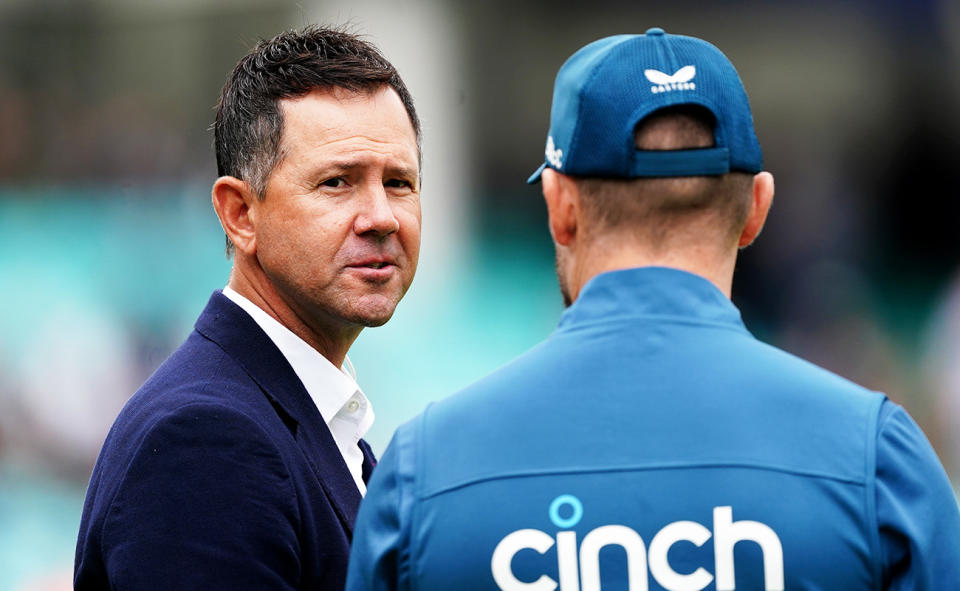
{"type": "Point", "coordinates": [607, 87]}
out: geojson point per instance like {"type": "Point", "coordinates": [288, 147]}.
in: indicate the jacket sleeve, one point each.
{"type": "Point", "coordinates": [205, 503]}
{"type": "Point", "coordinates": [917, 514]}
{"type": "Point", "coordinates": [379, 554]}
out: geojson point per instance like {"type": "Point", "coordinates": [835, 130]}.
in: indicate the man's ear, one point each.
{"type": "Point", "coordinates": [234, 201]}
{"type": "Point", "coordinates": [760, 203]}
{"type": "Point", "coordinates": [563, 205]}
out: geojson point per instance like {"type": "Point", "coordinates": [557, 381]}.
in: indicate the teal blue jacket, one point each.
{"type": "Point", "coordinates": [652, 443]}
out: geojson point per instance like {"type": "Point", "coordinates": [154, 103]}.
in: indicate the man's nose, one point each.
{"type": "Point", "coordinates": [376, 213]}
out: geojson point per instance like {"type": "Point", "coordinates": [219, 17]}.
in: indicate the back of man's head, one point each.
{"type": "Point", "coordinates": [663, 213]}
{"type": "Point", "coordinates": [657, 133]}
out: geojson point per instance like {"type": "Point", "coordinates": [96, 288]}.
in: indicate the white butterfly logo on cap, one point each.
{"type": "Point", "coordinates": [554, 155]}
{"type": "Point", "coordinates": [680, 80]}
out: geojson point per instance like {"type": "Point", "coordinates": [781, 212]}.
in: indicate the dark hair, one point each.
{"type": "Point", "coordinates": [652, 208]}
{"type": "Point", "coordinates": [249, 124]}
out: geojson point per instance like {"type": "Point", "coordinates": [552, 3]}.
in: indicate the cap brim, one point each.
{"type": "Point", "coordinates": [535, 177]}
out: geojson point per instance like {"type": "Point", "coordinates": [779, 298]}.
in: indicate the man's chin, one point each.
{"type": "Point", "coordinates": [372, 311]}
{"type": "Point", "coordinates": [374, 321]}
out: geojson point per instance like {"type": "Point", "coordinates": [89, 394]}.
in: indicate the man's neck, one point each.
{"type": "Point", "coordinates": [329, 339]}
{"type": "Point", "coordinates": [718, 269]}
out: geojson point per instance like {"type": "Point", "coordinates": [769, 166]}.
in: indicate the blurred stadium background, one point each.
{"type": "Point", "coordinates": [109, 247]}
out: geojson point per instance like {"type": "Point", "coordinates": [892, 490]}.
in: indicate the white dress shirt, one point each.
{"type": "Point", "coordinates": [341, 403]}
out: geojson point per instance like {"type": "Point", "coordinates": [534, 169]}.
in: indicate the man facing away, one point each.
{"type": "Point", "coordinates": [651, 442]}
{"type": "Point", "coordinates": [239, 464]}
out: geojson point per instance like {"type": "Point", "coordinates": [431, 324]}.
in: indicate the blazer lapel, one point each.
{"type": "Point", "coordinates": [228, 325]}
{"type": "Point", "coordinates": [369, 460]}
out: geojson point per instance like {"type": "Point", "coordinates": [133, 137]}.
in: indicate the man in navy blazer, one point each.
{"type": "Point", "coordinates": [239, 464]}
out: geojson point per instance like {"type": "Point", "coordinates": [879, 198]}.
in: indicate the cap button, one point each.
{"type": "Point", "coordinates": [655, 31]}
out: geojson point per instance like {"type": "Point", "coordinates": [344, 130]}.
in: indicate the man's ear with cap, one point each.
{"type": "Point", "coordinates": [760, 202]}
{"type": "Point", "coordinates": [235, 203]}
{"type": "Point", "coordinates": [563, 205]}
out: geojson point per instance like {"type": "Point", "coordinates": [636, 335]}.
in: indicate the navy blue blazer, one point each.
{"type": "Point", "coordinates": [219, 473]}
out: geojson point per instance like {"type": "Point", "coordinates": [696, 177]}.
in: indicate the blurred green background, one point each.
{"type": "Point", "coordinates": [109, 247]}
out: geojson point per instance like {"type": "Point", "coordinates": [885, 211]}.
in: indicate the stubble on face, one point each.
{"type": "Point", "coordinates": [362, 297]}
{"type": "Point", "coordinates": [561, 265]}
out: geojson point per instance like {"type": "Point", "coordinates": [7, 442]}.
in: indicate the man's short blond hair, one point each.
{"type": "Point", "coordinates": [652, 209]}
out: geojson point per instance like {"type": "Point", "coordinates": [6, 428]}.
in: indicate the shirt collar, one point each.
{"type": "Point", "coordinates": [651, 292]}
{"type": "Point", "coordinates": [329, 387]}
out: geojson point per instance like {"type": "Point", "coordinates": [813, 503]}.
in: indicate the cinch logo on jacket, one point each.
{"type": "Point", "coordinates": [580, 570]}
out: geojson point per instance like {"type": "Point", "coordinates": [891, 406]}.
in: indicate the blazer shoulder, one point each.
{"type": "Point", "coordinates": [198, 387]}
{"type": "Point", "coordinates": [198, 371]}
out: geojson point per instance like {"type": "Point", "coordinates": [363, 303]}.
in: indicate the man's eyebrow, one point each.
{"type": "Point", "coordinates": [398, 170]}
{"type": "Point", "coordinates": [340, 165]}
{"type": "Point", "coordinates": [403, 171]}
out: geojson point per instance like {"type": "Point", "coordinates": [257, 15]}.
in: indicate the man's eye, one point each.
{"type": "Point", "coordinates": [397, 183]}
{"type": "Point", "coordinates": [335, 182]}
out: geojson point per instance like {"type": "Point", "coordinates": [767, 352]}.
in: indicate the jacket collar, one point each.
{"type": "Point", "coordinates": [652, 292]}
{"type": "Point", "coordinates": [227, 325]}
